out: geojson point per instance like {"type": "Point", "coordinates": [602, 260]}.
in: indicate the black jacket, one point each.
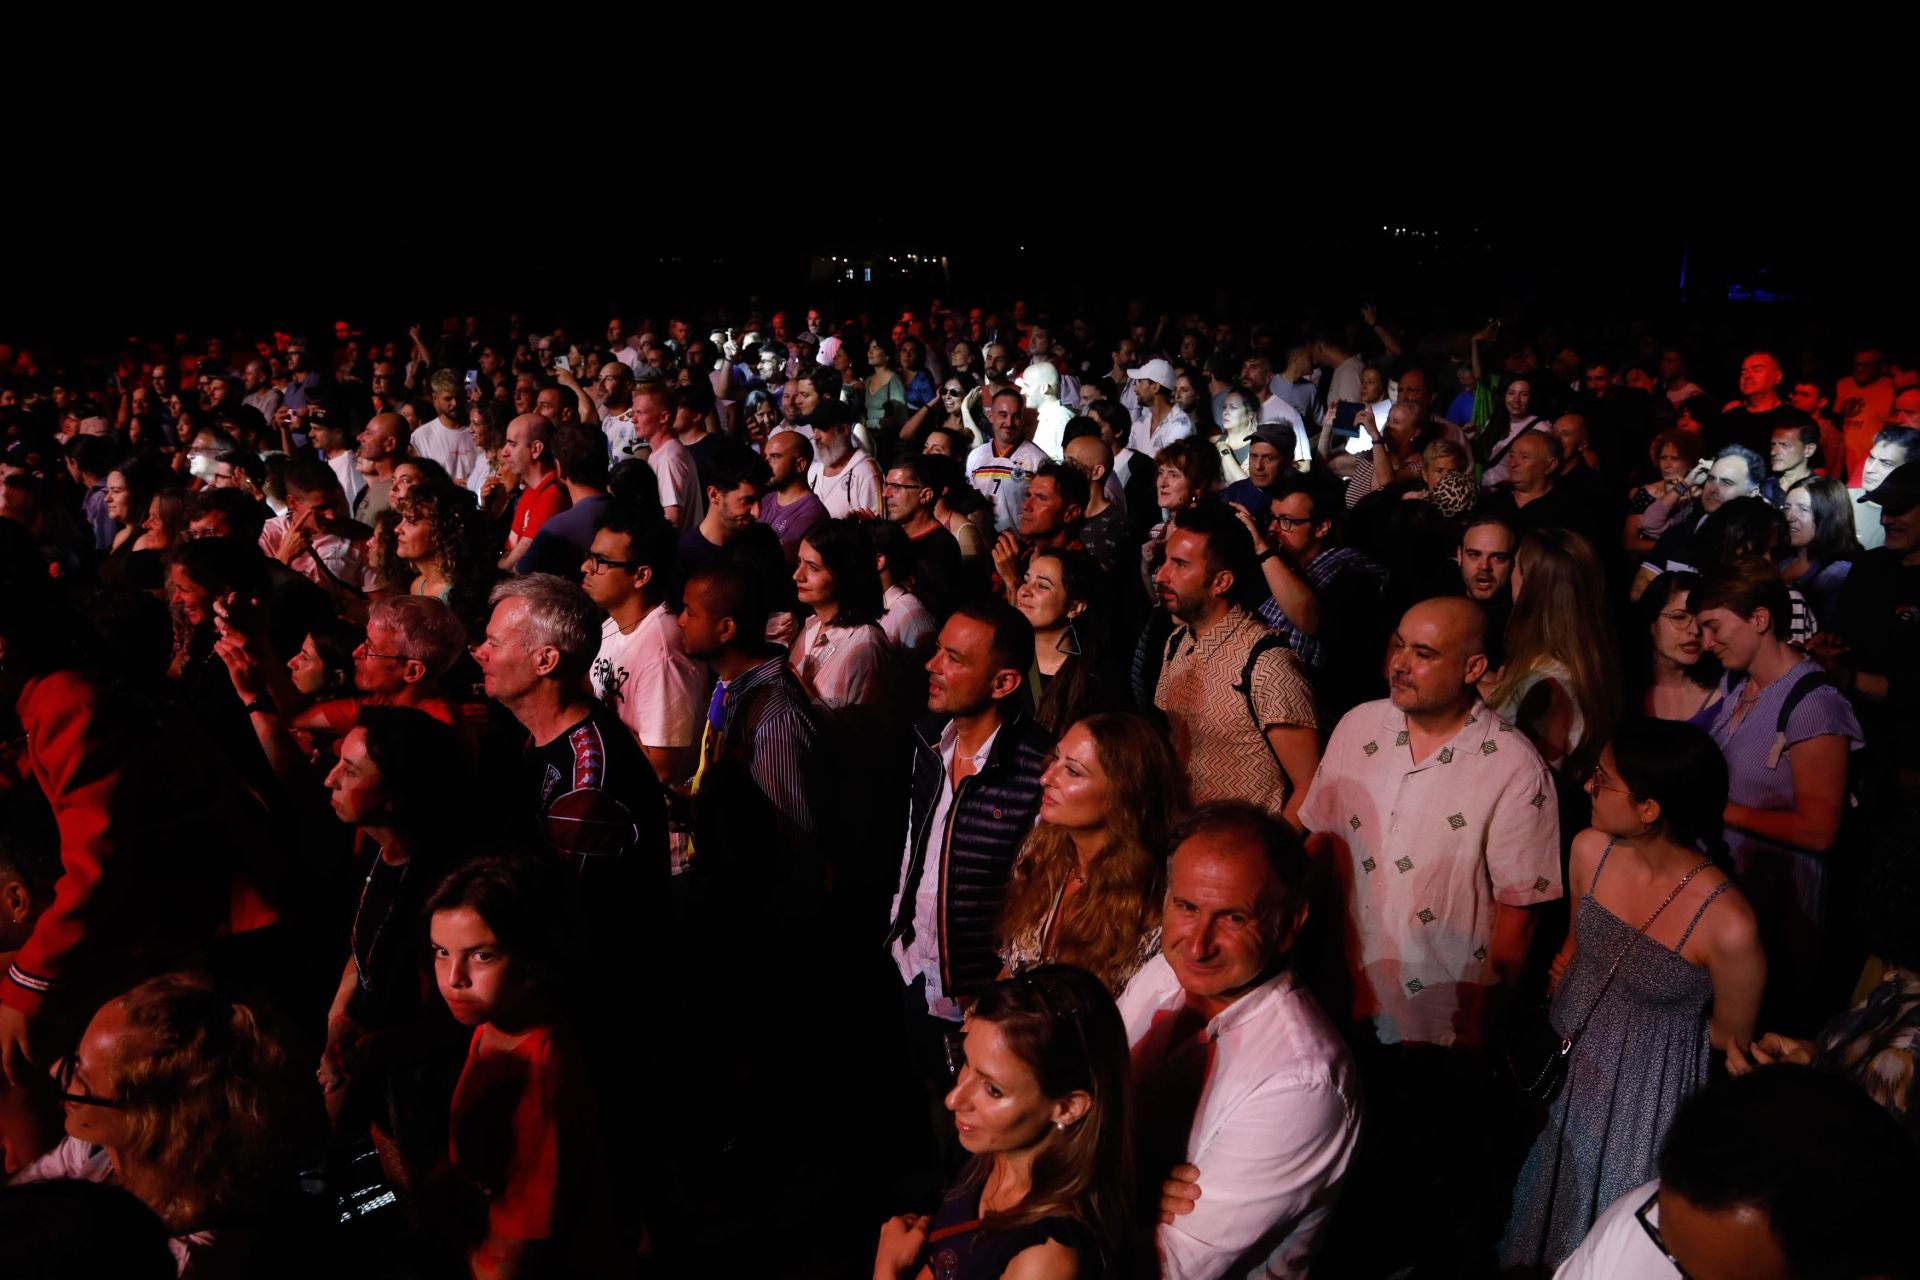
{"type": "Point", "coordinates": [991, 815]}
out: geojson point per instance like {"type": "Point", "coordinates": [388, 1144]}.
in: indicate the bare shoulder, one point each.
{"type": "Point", "coordinates": [1728, 928]}
{"type": "Point", "coordinates": [1048, 1260]}
{"type": "Point", "coordinates": [1584, 857]}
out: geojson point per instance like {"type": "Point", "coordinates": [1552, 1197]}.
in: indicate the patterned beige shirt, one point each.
{"type": "Point", "coordinates": [1223, 744]}
{"type": "Point", "coordinates": [1424, 851]}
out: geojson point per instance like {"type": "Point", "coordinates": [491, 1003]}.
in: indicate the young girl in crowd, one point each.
{"type": "Point", "coordinates": [522, 1126]}
{"type": "Point", "coordinates": [1041, 1105]}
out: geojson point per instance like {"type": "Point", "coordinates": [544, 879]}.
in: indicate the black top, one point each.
{"type": "Point", "coordinates": [957, 1248]}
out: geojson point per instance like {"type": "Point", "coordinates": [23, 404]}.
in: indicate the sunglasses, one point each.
{"type": "Point", "coordinates": [951, 391]}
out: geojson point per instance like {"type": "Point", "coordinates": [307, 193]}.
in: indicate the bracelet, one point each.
{"type": "Point", "coordinates": [262, 707]}
{"type": "Point", "coordinates": [1266, 555]}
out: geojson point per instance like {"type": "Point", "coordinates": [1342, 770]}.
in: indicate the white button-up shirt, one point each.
{"type": "Point", "coordinates": [1425, 850]}
{"type": "Point", "coordinates": [1274, 1130]}
{"type": "Point", "coordinates": [1149, 439]}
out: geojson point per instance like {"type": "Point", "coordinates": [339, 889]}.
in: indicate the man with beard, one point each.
{"type": "Point", "coordinates": [843, 476]}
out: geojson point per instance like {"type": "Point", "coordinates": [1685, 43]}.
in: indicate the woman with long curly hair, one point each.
{"type": "Point", "coordinates": [1041, 1104]}
{"type": "Point", "coordinates": [438, 538]}
{"type": "Point", "coordinates": [1087, 887]}
{"type": "Point", "coordinates": [1561, 683]}
{"type": "Point", "coordinates": [184, 1098]}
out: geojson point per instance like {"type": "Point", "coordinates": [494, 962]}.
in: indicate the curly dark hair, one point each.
{"type": "Point", "coordinates": [458, 534]}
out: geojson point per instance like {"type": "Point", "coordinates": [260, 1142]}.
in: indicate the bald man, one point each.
{"type": "Point", "coordinates": [543, 496]}
{"type": "Point", "coordinates": [1103, 529]}
{"type": "Point", "coordinates": [381, 447]}
{"type": "Point", "coordinates": [1440, 825]}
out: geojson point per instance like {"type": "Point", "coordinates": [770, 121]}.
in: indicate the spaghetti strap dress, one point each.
{"type": "Point", "coordinates": [1644, 1051]}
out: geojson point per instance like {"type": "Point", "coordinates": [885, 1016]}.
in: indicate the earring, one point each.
{"type": "Point", "coordinates": [1061, 1125]}
{"type": "Point", "coordinates": [1069, 642]}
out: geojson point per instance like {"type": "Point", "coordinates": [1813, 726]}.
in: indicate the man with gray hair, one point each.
{"type": "Point", "coordinates": [595, 799]}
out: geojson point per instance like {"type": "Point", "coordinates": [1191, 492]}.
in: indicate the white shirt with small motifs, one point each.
{"type": "Point", "coordinates": [1424, 849]}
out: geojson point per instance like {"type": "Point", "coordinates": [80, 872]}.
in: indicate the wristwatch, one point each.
{"type": "Point", "coordinates": [1266, 555]}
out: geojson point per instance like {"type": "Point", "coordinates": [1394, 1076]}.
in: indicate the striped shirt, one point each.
{"type": "Point", "coordinates": [766, 728]}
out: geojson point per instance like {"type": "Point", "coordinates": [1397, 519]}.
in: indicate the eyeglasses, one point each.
{"type": "Point", "coordinates": [1287, 524]}
{"type": "Point", "coordinates": [63, 1073]}
{"type": "Point", "coordinates": [1652, 1228]}
{"type": "Point", "coordinates": [365, 652]}
{"type": "Point", "coordinates": [1600, 780]}
{"type": "Point", "coordinates": [1678, 617]}
{"type": "Point", "coordinates": [900, 484]}
{"type": "Point", "coordinates": [601, 564]}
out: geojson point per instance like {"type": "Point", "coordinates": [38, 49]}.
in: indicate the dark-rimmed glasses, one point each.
{"type": "Point", "coordinates": [63, 1073]}
{"type": "Point", "coordinates": [1652, 1228]}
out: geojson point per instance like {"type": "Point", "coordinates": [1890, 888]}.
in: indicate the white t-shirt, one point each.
{"type": "Point", "coordinates": [856, 488]}
{"type": "Point", "coordinates": [679, 481]}
{"type": "Point", "coordinates": [648, 680]}
{"type": "Point", "coordinates": [350, 478]}
{"type": "Point", "coordinates": [1618, 1247]}
{"type": "Point", "coordinates": [451, 447]}
{"type": "Point", "coordinates": [619, 431]}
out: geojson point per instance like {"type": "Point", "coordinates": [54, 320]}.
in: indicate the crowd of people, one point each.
{"type": "Point", "coordinates": [1098, 795]}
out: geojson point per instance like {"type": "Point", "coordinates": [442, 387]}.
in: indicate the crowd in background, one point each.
{"type": "Point", "coordinates": [1097, 794]}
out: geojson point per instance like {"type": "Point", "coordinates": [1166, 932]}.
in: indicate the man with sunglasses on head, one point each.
{"type": "Point", "coordinates": [1326, 598]}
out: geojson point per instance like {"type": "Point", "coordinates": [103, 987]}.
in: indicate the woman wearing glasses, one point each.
{"type": "Point", "coordinates": [1680, 678]}
{"type": "Point", "coordinates": [943, 410]}
{"type": "Point", "coordinates": [1041, 1104]}
{"type": "Point", "coordinates": [1661, 967]}
{"type": "Point", "coordinates": [182, 1097]}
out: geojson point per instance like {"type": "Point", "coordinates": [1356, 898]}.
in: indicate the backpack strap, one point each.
{"type": "Point", "coordinates": [1805, 685]}
{"type": "Point", "coordinates": [1271, 640]}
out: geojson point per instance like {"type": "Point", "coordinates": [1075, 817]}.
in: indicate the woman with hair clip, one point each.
{"type": "Point", "coordinates": [1661, 967]}
{"type": "Point", "coordinates": [1042, 1105]}
{"type": "Point", "coordinates": [1064, 594]}
{"type": "Point", "coordinates": [1560, 683]}
{"type": "Point", "coordinates": [1820, 532]}
{"type": "Point", "coordinates": [184, 1098]}
{"type": "Point", "coordinates": [1086, 889]}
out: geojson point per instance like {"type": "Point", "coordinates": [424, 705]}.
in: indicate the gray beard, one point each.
{"type": "Point", "coordinates": [832, 455]}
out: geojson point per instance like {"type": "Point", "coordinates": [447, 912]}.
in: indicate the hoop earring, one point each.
{"type": "Point", "coordinates": [1069, 641]}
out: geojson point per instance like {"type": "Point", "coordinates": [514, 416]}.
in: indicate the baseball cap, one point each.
{"type": "Point", "coordinates": [1158, 371]}
{"type": "Point", "coordinates": [1899, 492]}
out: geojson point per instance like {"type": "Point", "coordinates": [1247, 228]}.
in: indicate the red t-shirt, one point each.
{"type": "Point", "coordinates": [539, 505]}
{"type": "Point", "coordinates": [521, 1127]}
